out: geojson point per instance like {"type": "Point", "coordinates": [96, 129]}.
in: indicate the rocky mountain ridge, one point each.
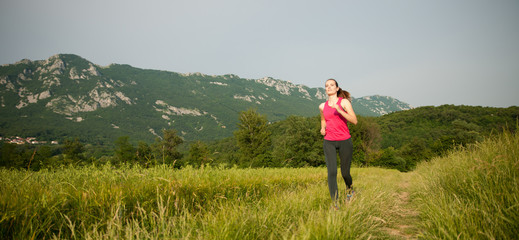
{"type": "Point", "coordinates": [67, 96]}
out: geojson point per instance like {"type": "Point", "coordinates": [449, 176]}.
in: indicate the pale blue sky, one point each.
{"type": "Point", "coordinates": [421, 52]}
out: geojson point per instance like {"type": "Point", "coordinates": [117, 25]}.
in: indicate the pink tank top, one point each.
{"type": "Point", "coordinates": [336, 124]}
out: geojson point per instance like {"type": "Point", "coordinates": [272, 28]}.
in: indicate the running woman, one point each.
{"type": "Point", "coordinates": [335, 114]}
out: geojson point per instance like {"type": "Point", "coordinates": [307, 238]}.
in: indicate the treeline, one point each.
{"type": "Point", "coordinates": [73, 152]}
{"type": "Point", "coordinates": [426, 132]}
{"type": "Point", "coordinates": [398, 140]}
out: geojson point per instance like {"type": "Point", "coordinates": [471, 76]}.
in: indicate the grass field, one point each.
{"type": "Point", "coordinates": [470, 194]}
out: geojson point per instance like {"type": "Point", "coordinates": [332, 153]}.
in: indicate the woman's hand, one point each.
{"type": "Point", "coordinates": [337, 107]}
{"type": "Point", "coordinates": [323, 121]}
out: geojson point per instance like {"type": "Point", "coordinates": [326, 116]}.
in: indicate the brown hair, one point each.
{"type": "Point", "coordinates": [341, 93]}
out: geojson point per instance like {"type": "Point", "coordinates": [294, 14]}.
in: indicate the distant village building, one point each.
{"type": "Point", "coordinates": [29, 140]}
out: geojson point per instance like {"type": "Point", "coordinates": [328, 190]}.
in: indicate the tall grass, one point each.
{"type": "Point", "coordinates": [207, 203]}
{"type": "Point", "coordinates": [473, 193]}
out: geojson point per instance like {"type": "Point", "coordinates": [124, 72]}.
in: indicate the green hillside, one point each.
{"type": "Point", "coordinates": [397, 140]}
{"type": "Point", "coordinates": [459, 123]}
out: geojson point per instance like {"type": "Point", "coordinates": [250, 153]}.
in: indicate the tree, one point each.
{"type": "Point", "coordinates": [73, 149]}
{"type": "Point", "coordinates": [225, 151]}
{"type": "Point", "coordinates": [10, 157]}
{"type": "Point", "coordinates": [144, 153]}
{"type": "Point", "coordinates": [125, 152]}
{"type": "Point", "coordinates": [166, 147]}
{"type": "Point", "coordinates": [366, 138]}
{"type": "Point", "coordinates": [300, 143]}
{"type": "Point", "coordinates": [198, 154]}
{"type": "Point", "coordinates": [389, 159]}
{"type": "Point", "coordinates": [41, 158]}
{"type": "Point", "coordinates": [253, 138]}
{"type": "Point", "coordinates": [415, 151]}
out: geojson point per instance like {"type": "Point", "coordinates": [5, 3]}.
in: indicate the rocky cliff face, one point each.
{"type": "Point", "coordinates": [53, 78]}
{"type": "Point", "coordinates": [379, 105]}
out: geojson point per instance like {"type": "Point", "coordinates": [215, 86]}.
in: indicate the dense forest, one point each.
{"type": "Point", "coordinates": [397, 140]}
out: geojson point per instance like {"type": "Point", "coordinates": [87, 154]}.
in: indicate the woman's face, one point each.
{"type": "Point", "coordinates": [331, 87]}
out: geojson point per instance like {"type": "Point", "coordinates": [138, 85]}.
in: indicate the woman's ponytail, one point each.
{"type": "Point", "coordinates": [344, 94]}
{"type": "Point", "coordinates": [341, 93]}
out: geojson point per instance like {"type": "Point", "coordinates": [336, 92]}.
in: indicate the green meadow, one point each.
{"type": "Point", "coordinates": [470, 193]}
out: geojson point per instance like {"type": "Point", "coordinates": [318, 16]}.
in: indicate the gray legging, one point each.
{"type": "Point", "coordinates": [345, 153]}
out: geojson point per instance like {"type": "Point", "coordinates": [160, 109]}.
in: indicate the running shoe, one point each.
{"type": "Point", "coordinates": [349, 194]}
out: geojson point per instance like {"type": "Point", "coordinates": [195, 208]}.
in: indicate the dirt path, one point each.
{"type": "Point", "coordinates": [404, 226]}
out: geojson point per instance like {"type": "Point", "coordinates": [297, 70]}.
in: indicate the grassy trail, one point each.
{"type": "Point", "coordinates": [471, 193]}
{"type": "Point", "coordinates": [404, 225]}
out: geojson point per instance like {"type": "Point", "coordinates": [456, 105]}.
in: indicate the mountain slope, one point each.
{"type": "Point", "coordinates": [378, 105]}
{"type": "Point", "coordinates": [66, 96]}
